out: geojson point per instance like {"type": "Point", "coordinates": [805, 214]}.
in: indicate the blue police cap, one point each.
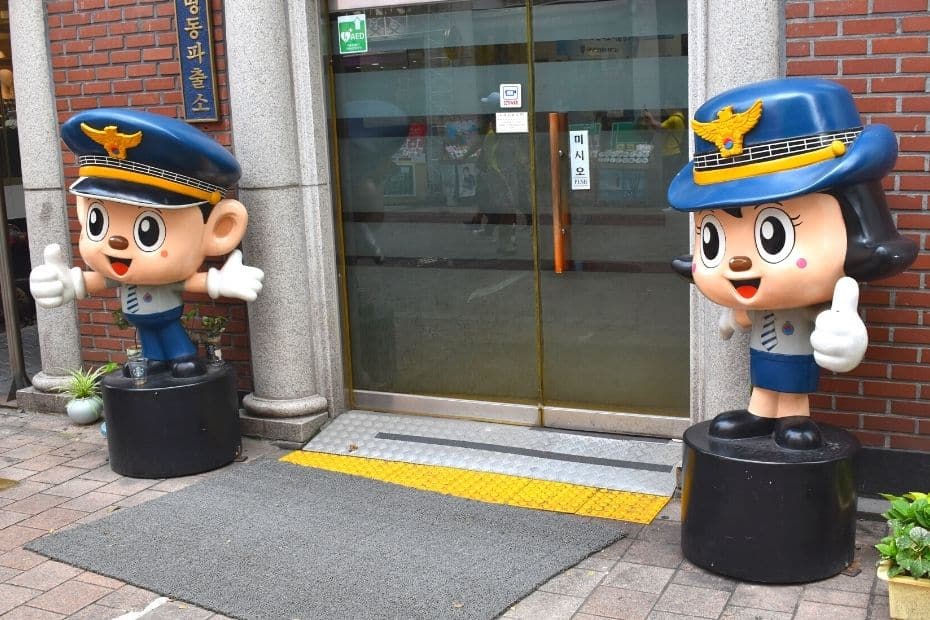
{"type": "Point", "coordinates": [778, 139]}
{"type": "Point", "coordinates": [146, 159]}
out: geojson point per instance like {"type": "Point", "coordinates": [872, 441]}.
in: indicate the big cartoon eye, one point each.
{"type": "Point", "coordinates": [149, 231]}
{"type": "Point", "coordinates": [97, 222]}
{"type": "Point", "coordinates": [713, 242]}
{"type": "Point", "coordinates": [774, 234]}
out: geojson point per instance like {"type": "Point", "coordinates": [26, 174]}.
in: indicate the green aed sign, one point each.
{"type": "Point", "coordinates": [353, 34]}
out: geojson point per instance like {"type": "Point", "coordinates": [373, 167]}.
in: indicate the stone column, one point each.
{"type": "Point", "coordinates": [277, 95]}
{"type": "Point", "coordinates": [43, 184]}
{"type": "Point", "coordinates": [730, 44]}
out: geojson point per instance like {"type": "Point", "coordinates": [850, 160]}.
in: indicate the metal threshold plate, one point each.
{"type": "Point", "coordinates": [607, 476]}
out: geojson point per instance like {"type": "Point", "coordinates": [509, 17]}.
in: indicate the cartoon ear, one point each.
{"type": "Point", "coordinates": [682, 266]}
{"type": "Point", "coordinates": [225, 227]}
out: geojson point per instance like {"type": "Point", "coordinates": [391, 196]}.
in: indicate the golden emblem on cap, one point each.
{"type": "Point", "coordinates": [114, 142]}
{"type": "Point", "coordinates": [728, 130]}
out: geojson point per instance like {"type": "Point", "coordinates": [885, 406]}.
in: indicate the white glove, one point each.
{"type": "Point", "coordinates": [53, 283]}
{"type": "Point", "coordinates": [727, 324]}
{"type": "Point", "coordinates": [235, 279]}
{"type": "Point", "coordinates": [840, 339]}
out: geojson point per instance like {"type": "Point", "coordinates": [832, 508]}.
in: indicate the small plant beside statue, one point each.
{"type": "Point", "coordinates": [905, 555]}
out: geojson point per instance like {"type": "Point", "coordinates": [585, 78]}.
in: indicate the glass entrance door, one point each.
{"type": "Point", "coordinates": [453, 136]}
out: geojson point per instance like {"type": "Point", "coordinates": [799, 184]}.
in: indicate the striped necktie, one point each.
{"type": "Point", "coordinates": [769, 340]}
{"type": "Point", "coordinates": [132, 298]}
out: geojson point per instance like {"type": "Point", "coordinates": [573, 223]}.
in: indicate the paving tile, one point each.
{"type": "Point", "coordinates": [45, 576]}
{"type": "Point", "coordinates": [614, 551]}
{"type": "Point", "coordinates": [772, 598]}
{"type": "Point", "coordinates": [878, 608]}
{"type": "Point", "coordinates": [101, 474]}
{"type": "Point", "coordinates": [176, 610]}
{"type": "Point", "coordinates": [139, 498]}
{"type": "Point", "coordinates": [666, 615]}
{"type": "Point", "coordinates": [611, 602]}
{"type": "Point", "coordinates": [91, 460]}
{"type": "Point", "coordinates": [15, 536]}
{"type": "Point", "coordinates": [639, 577]}
{"type": "Point", "coordinates": [69, 597]}
{"type": "Point", "coordinates": [668, 532]}
{"type": "Point", "coordinates": [9, 518]}
{"type": "Point", "coordinates": [75, 449]}
{"type": "Point", "coordinates": [860, 583]}
{"type": "Point", "coordinates": [94, 612]}
{"type": "Point", "coordinates": [12, 596]}
{"type": "Point", "coordinates": [128, 598]}
{"type": "Point", "coordinates": [100, 514]}
{"type": "Point", "coordinates": [53, 519]}
{"type": "Point", "coordinates": [16, 440]}
{"type": "Point", "coordinates": [699, 602]}
{"type": "Point", "coordinates": [690, 575]}
{"type": "Point", "coordinates": [24, 489]}
{"type": "Point", "coordinates": [24, 612]}
{"type": "Point", "coordinates": [16, 473]}
{"type": "Point", "coordinates": [545, 605]}
{"type": "Point", "coordinates": [29, 451]}
{"type": "Point", "coordinates": [574, 582]}
{"type": "Point", "coordinates": [127, 486]}
{"type": "Point", "coordinates": [595, 563]}
{"type": "Point", "coordinates": [653, 553]}
{"type": "Point", "coordinates": [835, 597]}
{"type": "Point", "coordinates": [21, 559]}
{"type": "Point", "coordinates": [57, 474]}
{"type": "Point", "coordinates": [100, 580]}
{"type": "Point", "coordinates": [731, 612]}
{"type": "Point", "coordinates": [91, 502]}
{"type": "Point", "coordinates": [176, 484]}
{"type": "Point", "coordinates": [75, 487]}
{"type": "Point", "coordinates": [808, 610]}
{"type": "Point", "coordinates": [41, 462]}
{"type": "Point", "coordinates": [34, 504]}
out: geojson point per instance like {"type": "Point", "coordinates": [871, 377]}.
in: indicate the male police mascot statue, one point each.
{"type": "Point", "coordinates": [151, 207]}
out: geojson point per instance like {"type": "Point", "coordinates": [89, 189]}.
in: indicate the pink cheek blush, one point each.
{"type": "Point", "coordinates": [164, 254]}
{"type": "Point", "coordinates": [693, 267]}
{"type": "Point", "coordinates": [802, 263]}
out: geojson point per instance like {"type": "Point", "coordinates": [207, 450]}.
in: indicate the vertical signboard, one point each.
{"type": "Point", "coordinates": [195, 51]}
{"type": "Point", "coordinates": [580, 154]}
{"type": "Point", "coordinates": [353, 34]}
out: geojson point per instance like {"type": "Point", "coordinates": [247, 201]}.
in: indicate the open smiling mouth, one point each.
{"type": "Point", "coordinates": [747, 288]}
{"type": "Point", "coordinates": [120, 265]}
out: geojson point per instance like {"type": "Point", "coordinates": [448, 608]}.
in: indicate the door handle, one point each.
{"type": "Point", "coordinates": [561, 222]}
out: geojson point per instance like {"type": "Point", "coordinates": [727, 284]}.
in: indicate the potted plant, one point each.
{"type": "Point", "coordinates": [905, 556]}
{"type": "Point", "coordinates": [213, 326]}
{"type": "Point", "coordinates": [84, 389]}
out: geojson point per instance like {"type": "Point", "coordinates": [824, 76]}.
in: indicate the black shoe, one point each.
{"type": "Point", "coordinates": [797, 432]}
{"type": "Point", "coordinates": [740, 424]}
{"type": "Point", "coordinates": [186, 368]}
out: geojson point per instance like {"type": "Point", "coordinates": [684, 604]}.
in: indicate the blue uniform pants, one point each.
{"type": "Point", "coordinates": [162, 335]}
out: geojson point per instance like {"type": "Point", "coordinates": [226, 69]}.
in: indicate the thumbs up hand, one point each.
{"type": "Point", "coordinates": [53, 283]}
{"type": "Point", "coordinates": [839, 338]}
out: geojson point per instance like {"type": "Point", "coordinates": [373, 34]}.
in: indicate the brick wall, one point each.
{"type": "Point", "coordinates": [878, 49]}
{"type": "Point", "coordinates": [124, 53]}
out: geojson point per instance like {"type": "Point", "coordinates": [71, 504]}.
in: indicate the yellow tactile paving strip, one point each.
{"type": "Point", "coordinates": [493, 488]}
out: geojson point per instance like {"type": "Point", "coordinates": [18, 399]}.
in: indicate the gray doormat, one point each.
{"type": "Point", "coordinates": [275, 540]}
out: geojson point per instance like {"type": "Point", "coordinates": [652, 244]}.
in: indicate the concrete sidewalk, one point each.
{"type": "Point", "coordinates": [64, 479]}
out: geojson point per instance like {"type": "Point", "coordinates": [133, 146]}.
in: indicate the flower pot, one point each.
{"type": "Point", "coordinates": [84, 410]}
{"type": "Point", "coordinates": [908, 598]}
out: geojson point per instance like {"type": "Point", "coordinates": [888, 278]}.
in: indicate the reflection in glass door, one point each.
{"type": "Point", "coordinates": [445, 192]}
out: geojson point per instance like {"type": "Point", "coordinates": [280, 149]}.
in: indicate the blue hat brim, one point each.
{"type": "Point", "coordinates": [871, 156]}
{"type": "Point", "coordinates": [131, 193]}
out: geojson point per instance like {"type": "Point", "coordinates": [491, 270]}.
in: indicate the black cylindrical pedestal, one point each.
{"type": "Point", "coordinates": [171, 427]}
{"type": "Point", "coordinates": [757, 512]}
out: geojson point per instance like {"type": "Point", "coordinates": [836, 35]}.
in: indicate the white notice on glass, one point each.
{"type": "Point", "coordinates": [578, 148]}
{"type": "Point", "coordinates": [511, 122]}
